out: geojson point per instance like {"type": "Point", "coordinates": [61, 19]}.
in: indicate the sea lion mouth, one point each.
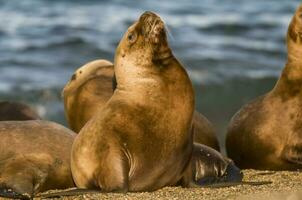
{"type": "Point", "coordinates": [152, 27]}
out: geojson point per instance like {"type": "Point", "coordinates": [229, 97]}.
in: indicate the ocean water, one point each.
{"type": "Point", "coordinates": [233, 50]}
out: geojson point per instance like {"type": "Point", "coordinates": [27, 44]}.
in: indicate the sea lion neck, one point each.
{"type": "Point", "coordinates": [163, 56]}
{"type": "Point", "coordinates": [141, 82]}
{"type": "Point", "coordinates": [294, 52]}
{"type": "Point", "coordinates": [289, 84]}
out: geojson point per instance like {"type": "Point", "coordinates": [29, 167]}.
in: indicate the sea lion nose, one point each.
{"type": "Point", "coordinates": [148, 15]}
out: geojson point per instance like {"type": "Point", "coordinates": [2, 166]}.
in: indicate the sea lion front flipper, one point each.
{"type": "Point", "coordinates": [209, 167]}
{"type": "Point", "coordinates": [212, 170]}
{"type": "Point", "coordinates": [10, 193]}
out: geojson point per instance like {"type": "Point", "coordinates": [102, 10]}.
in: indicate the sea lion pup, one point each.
{"type": "Point", "coordinates": [140, 140]}
{"type": "Point", "coordinates": [87, 92]}
{"type": "Point", "coordinates": [266, 133]}
{"type": "Point", "coordinates": [34, 157]}
{"type": "Point", "coordinates": [14, 111]}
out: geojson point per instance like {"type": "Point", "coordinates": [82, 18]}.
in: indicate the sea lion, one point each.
{"type": "Point", "coordinates": [14, 111]}
{"type": "Point", "coordinates": [34, 157]}
{"type": "Point", "coordinates": [267, 133]}
{"type": "Point", "coordinates": [87, 92]}
{"type": "Point", "coordinates": [204, 132]}
{"type": "Point", "coordinates": [141, 139]}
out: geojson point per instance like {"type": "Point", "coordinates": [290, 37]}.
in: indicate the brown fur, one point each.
{"type": "Point", "coordinates": [204, 132]}
{"type": "Point", "coordinates": [34, 156]}
{"type": "Point", "coordinates": [91, 96]}
{"type": "Point", "coordinates": [85, 96]}
{"type": "Point", "coordinates": [16, 111]}
{"type": "Point", "coordinates": [267, 133]}
{"type": "Point", "coordinates": [140, 140]}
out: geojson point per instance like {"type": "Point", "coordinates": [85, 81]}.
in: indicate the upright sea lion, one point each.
{"type": "Point", "coordinates": [87, 92]}
{"type": "Point", "coordinates": [267, 133]}
{"type": "Point", "coordinates": [16, 111]}
{"type": "Point", "coordinates": [34, 157]}
{"type": "Point", "coordinates": [140, 140]}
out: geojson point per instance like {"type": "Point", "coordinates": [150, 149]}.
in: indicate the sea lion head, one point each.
{"type": "Point", "coordinates": [143, 46]}
{"type": "Point", "coordinates": [294, 34]}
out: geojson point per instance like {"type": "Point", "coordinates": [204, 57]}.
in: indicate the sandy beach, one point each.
{"type": "Point", "coordinates": [285, 185]}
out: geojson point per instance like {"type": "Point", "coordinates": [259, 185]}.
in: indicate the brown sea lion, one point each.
{"type": "Point", "coordinates": [86, 93]}
{"type": "Point", "coordinates": [88, 90]}
{"type": "Point", "coordinates": [140, 140]}
{"type": "Point", "coordinates": [267, 133]}
{"type": "Point", "coordinates": [16, 111]}
{"type": "Point", "coordinates": [204, 132]}
{"type": "Point", "coordinates": [34, 157]}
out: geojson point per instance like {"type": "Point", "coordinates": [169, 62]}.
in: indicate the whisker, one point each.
{"type": "Point", "coordinates": [169, 33]}
{"type": "Point", "coordinates": [153, 25]}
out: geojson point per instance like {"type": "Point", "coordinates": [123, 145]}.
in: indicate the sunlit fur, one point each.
{"type": "Point", "coordinates": [267, 133]}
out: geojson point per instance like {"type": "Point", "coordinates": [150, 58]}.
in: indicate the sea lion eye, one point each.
{"type": "Point", "coordinates": [132, 37]}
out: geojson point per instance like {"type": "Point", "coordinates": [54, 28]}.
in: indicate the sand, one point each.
{"type": "Point", "coordinates": [285, 185]}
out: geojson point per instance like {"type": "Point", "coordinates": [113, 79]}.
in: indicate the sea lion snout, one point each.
{"type": "Point", "coordinates": [148, 16]}
{"type": "Point", "coordinates": [295, 27]}
{"type": "Point", "coordinates": [152, 26]}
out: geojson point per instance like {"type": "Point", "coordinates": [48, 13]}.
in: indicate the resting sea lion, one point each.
{"type": "Point", "coordinates": [140, 140]}
{"type": "Point", "coordinates": [204, 132]}
{"type": "Point", "coordinates": [267, 133]}
{"type": "Point", "coordinates": [87, 92]}
{"type": "Point", "coordinates": [34, 157]}
{"type": "Point", "coordinates": [16, 111]}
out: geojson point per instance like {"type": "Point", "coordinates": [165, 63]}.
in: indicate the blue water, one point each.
{"type": "Point", "coordinates": [233, 50]}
